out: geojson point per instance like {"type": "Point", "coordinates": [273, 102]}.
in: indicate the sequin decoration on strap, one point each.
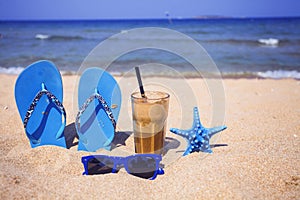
{"type": "Point", "coordinates": [104, 104]}
{"type": "Point", "coordinates": [35, 101]}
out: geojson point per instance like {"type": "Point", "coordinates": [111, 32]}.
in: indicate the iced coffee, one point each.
{"type": "Point", "coordinates": [149, 121]}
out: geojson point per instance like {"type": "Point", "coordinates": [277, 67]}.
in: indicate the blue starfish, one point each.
{"type": "Point", "coordinates": [198, 136]}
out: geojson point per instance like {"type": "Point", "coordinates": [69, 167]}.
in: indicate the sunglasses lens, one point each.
{"type": "Point", "coordinates": [142, 166]}
{"type": "Point", "coordinates": [100, 166]}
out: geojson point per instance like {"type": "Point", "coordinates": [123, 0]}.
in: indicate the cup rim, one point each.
{"type": "Point", "coordinates": [165, 95]}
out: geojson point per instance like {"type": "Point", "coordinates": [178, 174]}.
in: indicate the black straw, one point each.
{"type": "Point", "coordinates": [138, 75]}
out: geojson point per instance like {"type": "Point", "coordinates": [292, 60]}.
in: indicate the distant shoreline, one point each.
{"type": "Point", "coordinates": [200, 17]}
{"type": "Point", "coordinates": [275, 75]}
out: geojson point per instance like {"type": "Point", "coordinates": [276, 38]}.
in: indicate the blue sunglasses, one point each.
{"type": "Point", "coordinates": [140, 165]}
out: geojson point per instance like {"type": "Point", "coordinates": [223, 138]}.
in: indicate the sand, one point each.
{"type": "Point", "coordinates": [256, 157]}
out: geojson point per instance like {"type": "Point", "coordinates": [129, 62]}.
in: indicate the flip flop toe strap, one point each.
{"type": "Point", "coordinates": [32, 106]}
{"type": "Point", "coordinates": [107, 109]}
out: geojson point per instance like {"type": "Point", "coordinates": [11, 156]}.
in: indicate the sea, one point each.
{"type": "Point", "coordinates": [239, 47]}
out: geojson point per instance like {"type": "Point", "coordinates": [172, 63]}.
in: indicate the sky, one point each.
{"type": "Point", "coordinates": [133, 9]}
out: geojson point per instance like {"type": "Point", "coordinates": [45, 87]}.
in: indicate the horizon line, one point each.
{"type": "Point", "coordinates": [201, 17]}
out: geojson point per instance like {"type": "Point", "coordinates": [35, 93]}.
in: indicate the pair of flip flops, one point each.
{"type": "Point", "coordinates": [39, 97]}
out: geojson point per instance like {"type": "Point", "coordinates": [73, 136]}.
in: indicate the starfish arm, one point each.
{"type": "Point", "coordinates": [197, 122]}
{"type": "Point", "coordinates": [215, 130]}
{"type": "Point", "coordinates": [177, 131]}
{"type": "Point", "coordinates": [187, 151]}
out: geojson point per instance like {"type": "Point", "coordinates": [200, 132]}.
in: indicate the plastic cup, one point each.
{"type": "Point", "coordinates": [149, 121]}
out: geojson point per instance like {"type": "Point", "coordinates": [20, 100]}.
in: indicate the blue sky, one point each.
{"type": "Point", "coordinates": [122, 9]}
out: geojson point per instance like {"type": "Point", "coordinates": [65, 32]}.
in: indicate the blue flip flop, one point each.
{"type": "Point", "coordinates": [99, 101]}
{"type": "Point", "coordinates": [39, 95]}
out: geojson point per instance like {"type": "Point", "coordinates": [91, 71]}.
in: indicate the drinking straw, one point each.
{"type": "Point", "coordinates": [138, 76]}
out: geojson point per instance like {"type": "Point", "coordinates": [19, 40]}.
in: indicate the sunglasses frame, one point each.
{"type": "Point", "coordinates": [123, 161]}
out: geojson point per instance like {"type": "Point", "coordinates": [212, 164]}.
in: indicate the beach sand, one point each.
{"type": "Point", "coordinates": [256, 157]}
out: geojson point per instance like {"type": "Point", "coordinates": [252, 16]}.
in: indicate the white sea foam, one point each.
{"type": "Point", "coordinates": [124, 31]}
{"type": "Point", "coordinates": [269, 42]}
{"type": "Point", "coordinates": [18, 70]}
{"type": "Point", "coordinates": [41, 36]}
{"type": "Point", "coordinates": [11, 70]}
{"type": "Point", "coordinates": [278, 74]}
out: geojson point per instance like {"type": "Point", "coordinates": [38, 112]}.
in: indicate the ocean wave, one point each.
{"type": "Point", "coordinates": [266, 42]}
{"type": "Point", "coordinates": [269, 42]}
{"type": "Point", "coordinates": [18, 70]}
{"type": "Point", "coordinates": [41, 36]}
{"type": "Point", "coordinates": [278, 74]}
{"type": "Point", "coordinates": [57, 37]}
{"type": "Point", "coordinates": [281, 74]}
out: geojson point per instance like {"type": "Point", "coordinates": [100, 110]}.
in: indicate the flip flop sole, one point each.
{"type": "Point", "coordinates": [46, 119]}
{"type": "Point", "coordinates": [96, 129]}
